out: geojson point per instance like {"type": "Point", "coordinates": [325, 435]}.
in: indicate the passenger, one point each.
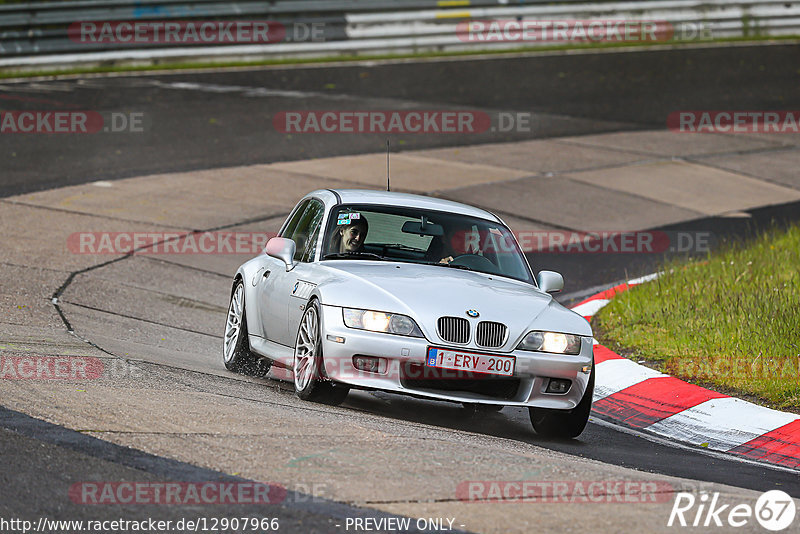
{"type": "Point", "coordinates": [350, 237]}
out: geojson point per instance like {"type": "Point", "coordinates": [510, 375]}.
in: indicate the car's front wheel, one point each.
{"type": "Point", "coordinates": [236, 353]}
{"type": "Point", "coordinates": [564, 423]}
{"type": "Point", "coordinates": [309, 384]}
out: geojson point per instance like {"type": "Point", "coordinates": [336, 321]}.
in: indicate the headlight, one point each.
{"type": "Point", "coordinates": [389, 323]}
{"type": "Point", "coordinates": [551, 342]}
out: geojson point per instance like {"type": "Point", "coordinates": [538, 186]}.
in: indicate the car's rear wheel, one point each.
{"type": "Point", "coordinates": [309, 383]}
{"type": "Point", "coordinates": [564, 423]}
{"type": "Point", "coordinates": [236, 354]}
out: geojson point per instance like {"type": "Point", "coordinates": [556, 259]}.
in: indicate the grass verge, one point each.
{"type": "Point", "coordinates": [731, 322]}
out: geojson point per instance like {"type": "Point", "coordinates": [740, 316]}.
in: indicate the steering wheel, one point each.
{"type": "Point", "coordinates": [473, 261]}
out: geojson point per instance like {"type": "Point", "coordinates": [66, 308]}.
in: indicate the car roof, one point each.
{"type": "Point", "coordinates": [390, 198]}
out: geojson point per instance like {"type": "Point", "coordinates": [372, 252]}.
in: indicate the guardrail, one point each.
{"type": "Point", "coordinates": [47, 34]}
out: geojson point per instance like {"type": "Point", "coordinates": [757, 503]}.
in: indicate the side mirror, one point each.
{"type": "Point", "coordinates": [282, 249]}
{"type": "Point", "coordinates": [550, 281]}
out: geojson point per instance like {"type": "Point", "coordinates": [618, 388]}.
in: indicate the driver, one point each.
{"type": "Point", "coordinates": [350, 237]}
{"type": "Point", "coordinates": [460, 242]}
{"type": "Point", "coordinates": [448, 247]}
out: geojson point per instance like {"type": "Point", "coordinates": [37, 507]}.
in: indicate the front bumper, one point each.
{"type": "Point", "coordinates": [405, 370]}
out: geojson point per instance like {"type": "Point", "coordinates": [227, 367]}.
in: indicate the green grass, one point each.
{"type": "Point", "coordinates": [184, 65]}
{"type": "Point", "coordinates": [731, 322]}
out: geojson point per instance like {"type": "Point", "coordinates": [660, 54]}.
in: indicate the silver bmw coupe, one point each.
{"type": "Point", "coordinates": [413, 295]}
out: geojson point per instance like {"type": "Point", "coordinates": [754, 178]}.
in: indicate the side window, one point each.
{"type": "Point", "coordinates": [305, 231]}
{"type": "Point", "coordinates": [298, 214]}
{"type": "Point", "coordinates": [311, 245]}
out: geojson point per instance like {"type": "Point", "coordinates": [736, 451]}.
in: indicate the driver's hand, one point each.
{"type": "Point", "coordinates": [446, 260]}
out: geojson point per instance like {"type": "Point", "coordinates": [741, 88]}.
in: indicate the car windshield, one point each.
{"type": "Point", "coordinates": [413, 235]}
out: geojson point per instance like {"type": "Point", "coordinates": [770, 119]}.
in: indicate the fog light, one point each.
{"type": "Point", "coordinates": [369, 364]}
{"type": "Point", "coordinates": [558, 385]}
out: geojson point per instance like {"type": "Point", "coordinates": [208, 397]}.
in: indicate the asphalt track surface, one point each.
{"type": "Point", "coordinates": [222, 119]}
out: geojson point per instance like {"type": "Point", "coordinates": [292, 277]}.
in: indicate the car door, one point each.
{"type": "Point", "coordinates": [304, 276]}
{"type": "Point", "coordinates": [287, 291]}
{"type": "Point", "coordinates": [272, 314]}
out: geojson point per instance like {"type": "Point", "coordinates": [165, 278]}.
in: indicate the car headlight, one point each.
{"type": "Point", "coordinates": [551, 342]}
{"type": "Point", "coordinates": [374, 321]}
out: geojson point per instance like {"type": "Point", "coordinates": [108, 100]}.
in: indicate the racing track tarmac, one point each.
{"type": "Point", "coordinates": [222, 119]}
{"type": "Point", "coordinates": [155, 322]}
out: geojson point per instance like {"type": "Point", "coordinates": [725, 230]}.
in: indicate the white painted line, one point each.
{"type": "Point", "coordinates": [587, 309]}
{"type": "Point", "coordinates": [721, 423]}
{"type": "Point", "coordinates": [643, 279]}
{"type": "Point", "coordinates": [249, 91]}
{"type": "Point", "coordinates": [616, 375]}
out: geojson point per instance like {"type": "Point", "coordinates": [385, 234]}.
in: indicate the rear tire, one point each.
{"type": "Point", "coordinates": [236, 354]}
{"type": "Point", "coordinates": [309, 383]}
{"type": "Point", "coordinates": [564, 423]}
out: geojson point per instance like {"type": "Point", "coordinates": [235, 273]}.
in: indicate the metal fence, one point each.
{"type": "Point", "coordinates": [48, 34]}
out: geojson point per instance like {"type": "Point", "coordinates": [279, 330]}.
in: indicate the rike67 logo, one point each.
{"type": "Point", "coordinates": [774, 510]}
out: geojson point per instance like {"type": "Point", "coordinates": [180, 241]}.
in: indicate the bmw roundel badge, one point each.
{"type": "Point", "coordinates": [473, 313]}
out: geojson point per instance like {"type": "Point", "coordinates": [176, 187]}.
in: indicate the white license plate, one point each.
{"type": "Point", "coordinates": [469, 361]}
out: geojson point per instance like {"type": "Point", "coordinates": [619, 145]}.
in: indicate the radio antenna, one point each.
{"type": "Point", "coordinates": [387, 166]}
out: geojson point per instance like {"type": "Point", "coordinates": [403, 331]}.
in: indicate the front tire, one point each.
{"type": "Point", "coordinates": [309, 383]}
{"type": "Point", "coordinates": [236, 354]}
{"type": "Point", "coordinates": [564, 423]}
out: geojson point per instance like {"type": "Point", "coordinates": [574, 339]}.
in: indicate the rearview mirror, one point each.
{"type": "Point", "coordinates": [282, 249]}
{"type": "Point", "coordinates": [415, 227]}
{"type": "Point", "coordinates": [550, 281]}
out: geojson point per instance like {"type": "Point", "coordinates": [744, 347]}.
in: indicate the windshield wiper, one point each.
{"type": "Point", "coordinates": [402, 247]}
{"type": "Point", "coordinates": [352, 255]}
{"type": "Point", "coordinates": [462, 267]}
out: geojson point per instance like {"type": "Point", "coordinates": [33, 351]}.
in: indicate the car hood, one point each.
{"type": "Point", "coordinates": [427, 292]}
